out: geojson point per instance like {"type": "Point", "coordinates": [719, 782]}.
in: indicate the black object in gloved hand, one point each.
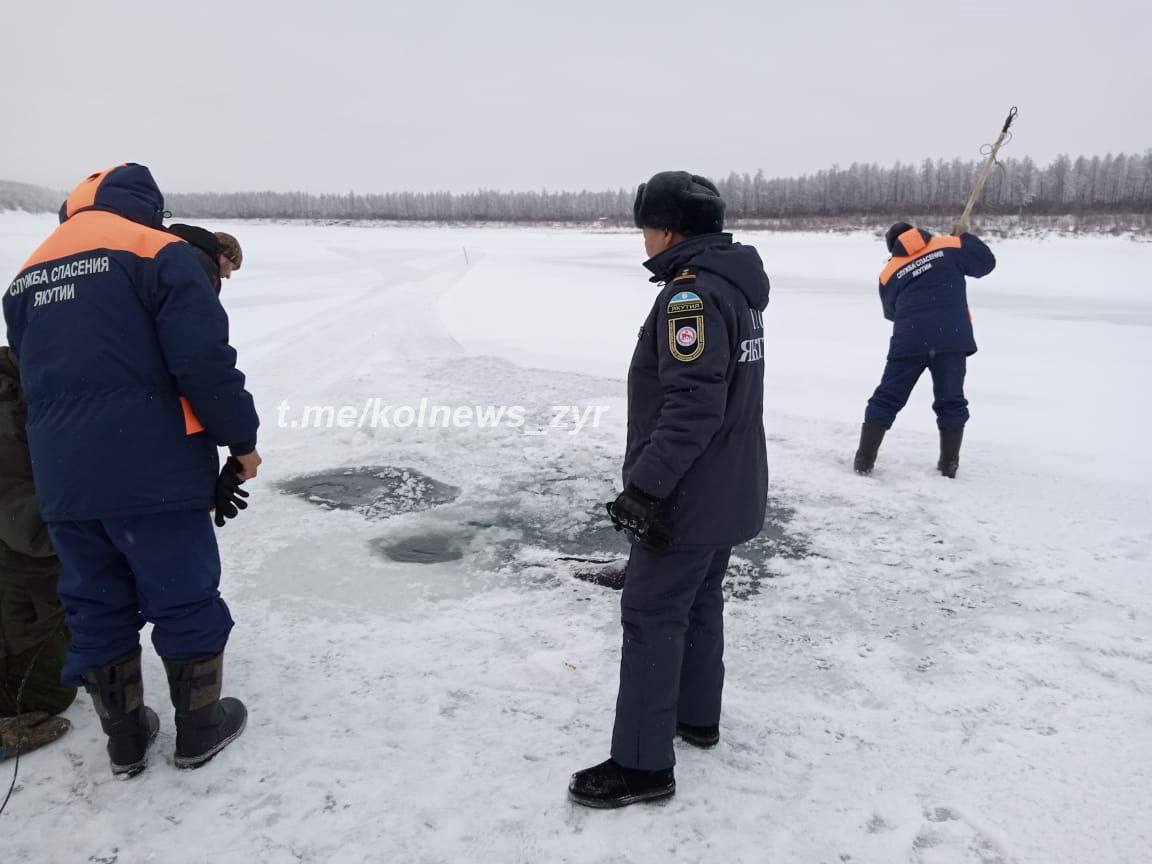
{"type": "Point", "coordinates": [642, 517]}
{"type": "Point", "coordinates": [229, 496]}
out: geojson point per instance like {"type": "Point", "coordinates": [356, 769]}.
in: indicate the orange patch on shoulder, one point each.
{"type": "Point", "coordinates": [895, 263]}
{"type": "Point", "coordinates": [98, 229]}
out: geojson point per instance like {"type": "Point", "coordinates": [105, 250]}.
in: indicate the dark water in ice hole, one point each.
{"type": "Point", "coordinates": [587, 546]}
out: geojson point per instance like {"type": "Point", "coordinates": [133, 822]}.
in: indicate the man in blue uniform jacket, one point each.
{"type": "Point", "coordinates": [695, 483]}
{"type": "Point", "coordinates": [924, 295]}
{"type": "Point", "coordinates": [131, 386]}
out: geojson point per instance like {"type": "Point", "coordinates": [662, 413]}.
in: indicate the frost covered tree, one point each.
{"type": "Point", "coordinates": [1116, 184]}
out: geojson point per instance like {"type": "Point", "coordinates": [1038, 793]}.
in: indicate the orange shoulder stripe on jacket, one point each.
{"type": "Point", "coordinates": [98, 229]}
{"type": "Point", "coordinates": [84, 195]}
{"type": "Point", "coordinates": [937, 242]}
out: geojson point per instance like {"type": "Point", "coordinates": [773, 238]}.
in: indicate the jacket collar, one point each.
{"type": "Point", "coordinates": [665, 265]}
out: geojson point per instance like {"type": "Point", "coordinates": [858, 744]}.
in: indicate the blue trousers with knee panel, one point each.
{"type": "Point", "coordinates": [118, 574]}
{"type": "Point", "coordinates": [900, 376]}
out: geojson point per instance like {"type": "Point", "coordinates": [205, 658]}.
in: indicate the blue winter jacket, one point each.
{"type": "Point", "coordinates": [922, 290]}
{"type": "Point", "coordinates": [124, 359]}
{"type": "Point", "coordinates": [696, 393]}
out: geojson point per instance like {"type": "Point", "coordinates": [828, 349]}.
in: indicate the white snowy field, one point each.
{"type": "Point", "coordinates": [954, 672]}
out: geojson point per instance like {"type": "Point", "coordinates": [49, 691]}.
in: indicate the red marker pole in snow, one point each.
{"type": "Point", "coordinates": [965, 220]}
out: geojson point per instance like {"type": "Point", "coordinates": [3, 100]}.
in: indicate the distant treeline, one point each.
{"type": "Point", "coordinates": [1085, 185]}
{"type": "Point", "coordinates": [1075, 187]}
{"type": "Point", "coordinates": [24, 196]}
{"type": "Point", "coordinates": [1109, 184]}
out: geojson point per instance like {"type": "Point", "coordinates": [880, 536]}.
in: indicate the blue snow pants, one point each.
{"type": "Point", "coordinates": [901, 375]}
{"type": "Point", "coordinates": [118, 574]}
{"type": "Point", "coordinates": [672, 660]}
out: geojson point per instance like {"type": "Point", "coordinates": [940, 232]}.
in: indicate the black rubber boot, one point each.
{"type": "Point", "coordinates": [610, 785]}
{"type": "Point", "coordinates": [117, 692]}
{"type": "Point", "coordinates": [205, 723]}
{"type": "Point", "coordinates": [699, 736]}
{"type": "Point", "coordinates": [950, 451]}
{"type": "Point", "coordinates": [871, 434]}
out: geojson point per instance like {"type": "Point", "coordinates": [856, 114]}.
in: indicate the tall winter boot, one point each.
{"type": "Point", "coordinates": [950, 451]}
{"type": "Point", "coordinates": [205, 723]}
{"type": "Point", "coordinates": [871, 434]}
{"type": "Point", "coordinates": [117, 692]}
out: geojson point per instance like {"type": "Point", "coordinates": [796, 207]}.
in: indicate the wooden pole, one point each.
{"type": "Point", "coordinates": [985, 170]}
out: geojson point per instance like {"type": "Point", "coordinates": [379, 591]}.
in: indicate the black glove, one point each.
{"type": "Point", "coordinates": [229, 496]}
{"type": "Point", "coordinates": [642, 516]}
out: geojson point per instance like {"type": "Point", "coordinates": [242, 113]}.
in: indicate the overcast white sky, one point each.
{"type": "Point", "coordinates": [335, 95]}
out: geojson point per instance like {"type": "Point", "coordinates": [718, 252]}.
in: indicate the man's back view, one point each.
{"type": "Point", "coordinates": [924, 294]}
{"type": "Point", "coordinates": [131, 385]}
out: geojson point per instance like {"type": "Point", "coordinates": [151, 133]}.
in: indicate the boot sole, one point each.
{"type": "Point", "coordinates": [701, 743]}
{"type": "Point", "coordinates": [616, 803]}
{"type": "Point", "coordinates": [127, 772]}
{"type": "Point", "coordinates": [191, 763]}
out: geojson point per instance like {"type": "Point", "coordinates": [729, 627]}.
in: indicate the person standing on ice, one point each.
{"type": "Point", "coordinates": [33, 639]}
{"type": "Point", "coordinates": [131, 385]}
{"type": "Point", "coordinates": [695, 483]}
{"type": "Point", "coordinates": [924, 295]}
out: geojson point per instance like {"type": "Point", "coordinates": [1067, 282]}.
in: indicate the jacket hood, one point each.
{"type": "Point", "coordinates": [206, 245]}
{"type": "Point", "coordinates": [910, 242]}
{"type": "Point", "coordinates": [127, 190]}
{"type": "Point", "coordinates": [201, 238]}
{"type": "Point", "coordinates": [734, 262]}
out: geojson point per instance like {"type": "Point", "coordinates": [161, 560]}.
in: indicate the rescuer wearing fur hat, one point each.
{"type": "Point", "coordinates": [695, 483]}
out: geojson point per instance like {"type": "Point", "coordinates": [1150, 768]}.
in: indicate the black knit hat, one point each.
{"type": "Point", "coordinates": [201, 238]}
{"type": "Point", "coordinates": [681, 202]}
{"type": "Point", "coordinates": [894, 232]}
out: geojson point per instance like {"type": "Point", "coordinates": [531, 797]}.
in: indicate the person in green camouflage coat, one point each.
{"type": "Point", "coordinates": [33, 638]}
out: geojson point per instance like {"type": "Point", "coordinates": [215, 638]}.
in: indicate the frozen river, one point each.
{"type": "Point", "coordinates": [918, 670]}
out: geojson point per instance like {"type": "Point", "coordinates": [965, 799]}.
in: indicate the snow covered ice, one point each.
{"type": "Point", "coordinates": [926, 671]}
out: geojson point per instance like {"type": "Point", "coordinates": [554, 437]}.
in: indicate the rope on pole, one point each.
{"type": "Point", "coordinates": [982, 177]}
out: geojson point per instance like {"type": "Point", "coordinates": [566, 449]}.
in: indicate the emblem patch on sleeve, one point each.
{"type": "Point", "coordinates": [685, 301]}
{"type": "Point", "coordinates": [686, 326]}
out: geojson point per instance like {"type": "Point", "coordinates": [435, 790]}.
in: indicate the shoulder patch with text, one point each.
{"type": "Point", "coordinates": [686, 326]}
{"type": "Point", "coordinates": [685, 301]}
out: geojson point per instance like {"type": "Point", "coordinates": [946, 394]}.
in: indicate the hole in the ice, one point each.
{"type": "Point", "coordinates": [524, 528]}
{"type": "Point", "coordinates": [375, 492]}
{"type": "Point", "coordinates": [752, 564]}
{"type": "Point", "coordinates": [606, 574]}
{"type": "Point", "coordinates": [432, 548]}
